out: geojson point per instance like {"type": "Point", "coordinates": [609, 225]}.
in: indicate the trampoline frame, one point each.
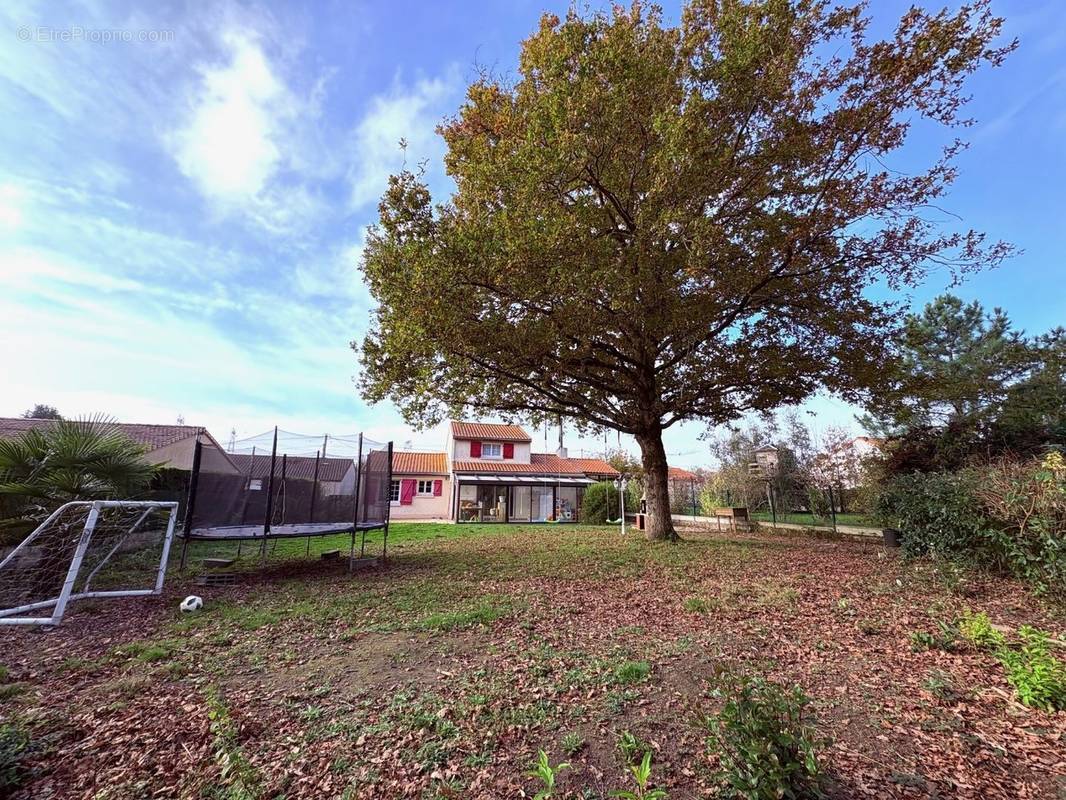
{"type": "Point", "coordinates": [266, 531]}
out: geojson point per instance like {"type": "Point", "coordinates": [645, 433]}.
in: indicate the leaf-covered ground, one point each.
{"type": "Point", "coordinates": [443, 673]}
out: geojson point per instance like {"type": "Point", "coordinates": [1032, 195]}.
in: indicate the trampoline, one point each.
{"type": "Point", "coordinates": [282, 485]}
{"type": "Point", "coordinates": [235, 532]}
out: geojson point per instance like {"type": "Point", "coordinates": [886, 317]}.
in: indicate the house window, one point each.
{"type": "Point", "coordinates": [425, 487]}
{"type": "Point", "coordinates": [394, 492]}
{"type": "Point", "coordinates": [255, 485]}
{"type": "Point", "coordinates": [491, 450]}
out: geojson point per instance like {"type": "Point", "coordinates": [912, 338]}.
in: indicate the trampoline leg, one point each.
{"type": "Point", "coordinates": [351, 552]}
{"type": "Point", "coordinates": [362, 546]}
{"type": "Point", "coordinates": [184, 549]}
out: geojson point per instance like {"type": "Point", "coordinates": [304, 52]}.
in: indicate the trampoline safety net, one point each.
{"type": "Point", "coordinates": [286, 484]}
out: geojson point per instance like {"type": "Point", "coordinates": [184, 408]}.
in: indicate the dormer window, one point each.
{"type": "Point", "coordinates": [491, 450]}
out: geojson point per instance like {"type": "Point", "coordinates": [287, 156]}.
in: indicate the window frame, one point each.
{"type": "Point", "coordinates": [498, 446]}
{"type": "Point", "coordinates": [428, 492]}
{"type": "Point", "coordinates": [394, 489]}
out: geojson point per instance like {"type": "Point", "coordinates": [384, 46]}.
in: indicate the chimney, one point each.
{"type": "Point", "coordinates": [561, 451]}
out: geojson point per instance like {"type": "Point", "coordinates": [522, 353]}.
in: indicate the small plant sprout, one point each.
{"type": "Point", "coordinates": [630, 747]}
{"type": "Point", "coordinates": [641, 775]}
{"type": "Point", "coordinates": [546, 774]}
{"type": "Point", "coordinates": [977, 630]}
{"type": "Point", "coordinates": [572, 743]}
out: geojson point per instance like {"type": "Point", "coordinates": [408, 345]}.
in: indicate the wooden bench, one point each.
{"type": "Point", "coordinates": [733, 514]}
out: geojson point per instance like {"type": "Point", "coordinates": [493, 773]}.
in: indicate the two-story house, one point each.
{"type": "Point", "coordinates": [488, 473]}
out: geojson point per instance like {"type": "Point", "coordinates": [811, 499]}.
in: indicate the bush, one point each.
{"type": "Point", "coordinates": [1009, 515]}
{"type": "Point", "coordinates": [765, 749]}
{"type": "Point", "coordinates": [600, 503]}
{"type": "Point", "coordinates": [978, 631]}
{"type": "Point", "coordinates": [1036, 675]}
{"type": "Point", "coordinates": [1026, 502]}
{"type": "Point", "coordinates": [938, 514]}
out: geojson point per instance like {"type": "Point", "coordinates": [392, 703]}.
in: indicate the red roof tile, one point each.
{"type": "Point", "coordinates": [540, 464]}
{"type": "Point", "coordinates": [408, 463]}
{"type": "Point", "coordinates": [488, 431]}
{"type": "Point", "coordinates": [678, 474]}
{"type": "Point", "coordinates": [593, 466]}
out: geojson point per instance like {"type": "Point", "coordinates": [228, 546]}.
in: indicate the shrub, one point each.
{"type": "Point", "coordinates": [1009, 515]}
{"type": "Point", "coordinates": [14, 746]}
{"type": "Point", "coordinates": [600, 503]}
{"type": "Point", "coordinates": [1036, 675]}
{"type": "Point", "coordinates": [765, 749]}
{"type": "Point", "coordinates": [1026, 502]}
{"type": "Point", "coordinates": [978, 631]}
{"type": "Point", "coordinates": [937, 513]}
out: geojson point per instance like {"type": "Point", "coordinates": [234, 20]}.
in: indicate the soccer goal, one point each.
{"type": "Point", "coordinates": [93, 548]}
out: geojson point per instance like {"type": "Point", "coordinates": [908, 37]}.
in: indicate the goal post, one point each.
{"type": "Point", "coordinates": [86, 549]}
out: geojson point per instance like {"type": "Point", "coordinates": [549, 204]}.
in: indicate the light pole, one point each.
{"type": "Point", "coordinates": [620, 485]}
{"type": "Point", "coordinates": [765, 465]}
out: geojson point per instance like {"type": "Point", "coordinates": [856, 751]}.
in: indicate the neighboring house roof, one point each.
{"type": "Point", "coordinates": [678, 474]}
{"type": "Point", "coordinates": [489, 431]}
{"type": "Point", "coordinates": [594, 466]}
{"type": "Point", "coordinates": [540, 464]}
{"type": "Point", "coordinates": [151, 436]}
{"type": "Point", "coordinates": [330, 470]}
{"type": "Point", "coordinates": [405, 462]}
{"type": "Point", "coordinates": [870, 440]}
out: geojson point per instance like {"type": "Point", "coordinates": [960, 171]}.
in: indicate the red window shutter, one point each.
{"type": "Point", "coordinates": [437, 488]}
{"type": "Point", "coordinates": [407, 492]}
{"type": "Point", "coordinates": [508, 449]}
{"type": "Point", "coordinates": [475, 449]}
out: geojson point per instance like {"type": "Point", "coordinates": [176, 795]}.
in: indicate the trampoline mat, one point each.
{"type": "Point", "coordinates": [280, 531]}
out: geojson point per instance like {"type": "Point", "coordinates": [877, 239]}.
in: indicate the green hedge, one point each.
{"type": "Point", "coordinates": [1009, 517]}
{"type": "Point", "coordinates": [938, 514]}
{"type": "Point", "coordinates": [600, 504]}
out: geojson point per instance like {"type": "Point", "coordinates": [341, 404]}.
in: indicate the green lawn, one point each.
{"type": "Point", "coordinates": [858, 520]}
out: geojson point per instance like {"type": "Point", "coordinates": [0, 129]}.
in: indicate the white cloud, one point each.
{"type": "Point", "coordinates": [230, 145]}
{"type": "Point", "coordinates": [410, 113]}
{"type": "Point", "coordinates": [12, 200]}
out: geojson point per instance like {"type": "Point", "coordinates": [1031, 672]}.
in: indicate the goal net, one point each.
{"type": "Point", "coordinates": [102, 548]}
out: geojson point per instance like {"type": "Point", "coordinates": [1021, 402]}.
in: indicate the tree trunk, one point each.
{"type": "Point", "coordinates": [656, 487]}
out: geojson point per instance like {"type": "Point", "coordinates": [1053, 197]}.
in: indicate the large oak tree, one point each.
{"type": "Point", "coordinates": [653, 224]}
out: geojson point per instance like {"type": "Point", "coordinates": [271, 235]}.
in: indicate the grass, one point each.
{"type": "Point", "coordinates": [799, 518]}
{"type": "Point", "coordinates": [476, 647]}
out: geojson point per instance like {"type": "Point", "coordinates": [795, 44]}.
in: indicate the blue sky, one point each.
{"type": "Point", "coordinates": [181, 214]}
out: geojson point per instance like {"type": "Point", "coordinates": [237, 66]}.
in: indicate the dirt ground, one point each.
{"type": "Point", "coordinates": [442, 673]}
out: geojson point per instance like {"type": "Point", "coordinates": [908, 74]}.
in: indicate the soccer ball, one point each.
{"type": "Point", "coordinates": [192, 603]}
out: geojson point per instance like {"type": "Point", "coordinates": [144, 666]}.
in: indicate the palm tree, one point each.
{"type": "Point", "coordinates": [86, 459]}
